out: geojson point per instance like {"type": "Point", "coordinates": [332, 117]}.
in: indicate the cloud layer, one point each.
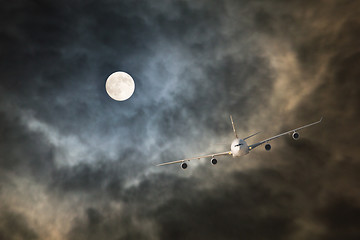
{"type": "Point", "coordinates": [75, 164]}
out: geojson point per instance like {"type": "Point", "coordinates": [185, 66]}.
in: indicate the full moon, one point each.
{"type": "Point", "coordinates": [120, 86]}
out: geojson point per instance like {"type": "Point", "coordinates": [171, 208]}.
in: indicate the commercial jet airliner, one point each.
{"type": "Point", "coordinates": [239, 147]}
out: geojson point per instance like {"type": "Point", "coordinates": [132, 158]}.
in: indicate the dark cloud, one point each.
{"type": "Point", "coordinates": [15, 226]}
{"type": "Point", "coordinates": [99, 176]}
{"type": "Point", "coordinates": [341, 218]}
{"type": "Point", "coordinates": [23, 151]}
{"type": "Point", "coordinates": [228, 212]}
{"type": "Point", "coordinates": [78, 165]}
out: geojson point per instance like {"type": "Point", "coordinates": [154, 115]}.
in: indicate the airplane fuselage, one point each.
{"type": "Point", "coordinates": [239, 147]}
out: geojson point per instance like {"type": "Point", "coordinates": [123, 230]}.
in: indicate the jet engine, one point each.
{"type": "Point", "coordinates": [295, 135]}
{"type": "Point", "coordinates": [267, 147]}
{"type": "Point", "coordinates": [184, 165]}
{"type": "Point", "coordinates": [213, 161]}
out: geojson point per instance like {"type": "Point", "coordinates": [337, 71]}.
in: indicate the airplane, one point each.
{"type": "Point", "coordinates": [239, 147]}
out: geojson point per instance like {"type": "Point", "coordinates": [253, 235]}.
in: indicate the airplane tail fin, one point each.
{"type": "Point", "coordinates": [232, 123]}
{"type": "Point", "coordinates": [252, 135]}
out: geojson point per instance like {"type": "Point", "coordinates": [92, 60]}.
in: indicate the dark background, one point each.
{"type": "Point", "coordinates": [75, 164]}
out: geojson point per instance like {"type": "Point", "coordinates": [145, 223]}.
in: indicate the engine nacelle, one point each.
{"type": "Point", "coordinates": [213, 161]}
{"type": "Point", "coordinates": [295, 135]}
{"type": "Point", "coordinates": [184, 165]}
{"type": "Point", "coordinates": [267, 147]}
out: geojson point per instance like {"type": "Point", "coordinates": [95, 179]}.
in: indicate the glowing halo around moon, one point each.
{"type": "Point", "coordinates": [120, 86]}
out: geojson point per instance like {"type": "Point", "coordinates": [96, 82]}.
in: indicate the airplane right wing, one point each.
{"type": "Point", "coordinates": [251, 147]}
{"type": "Point", "coordinates": [188, 159]}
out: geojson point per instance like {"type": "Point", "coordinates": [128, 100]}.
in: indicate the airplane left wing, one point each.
{"type": "Point", "coordinates": [281, 134]}
{"type": "Point", "coordinates": [189, 159]}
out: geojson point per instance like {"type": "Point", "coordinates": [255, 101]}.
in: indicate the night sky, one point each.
{"type": "Point", "coordinates": [75, 164]}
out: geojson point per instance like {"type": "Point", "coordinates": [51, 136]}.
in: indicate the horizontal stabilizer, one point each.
{"type": "Point", "coordinates": [251, 135]}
